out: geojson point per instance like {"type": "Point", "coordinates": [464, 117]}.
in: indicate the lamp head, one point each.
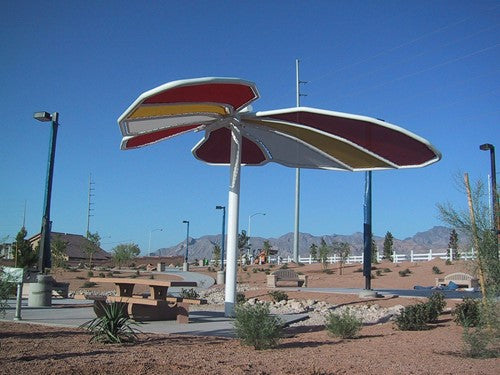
{"type": "Point", "coordinates": [486, 146]}
{"type": "Point", "coordinates": [185, 222]}
{"type": "Point", "coordinates": [219, 207]}
{"type": "Point", "coordinates": [42, 116]}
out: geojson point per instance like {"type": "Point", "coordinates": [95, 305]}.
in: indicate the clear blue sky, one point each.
{"type": "Point", "coordinates": [431, 67]}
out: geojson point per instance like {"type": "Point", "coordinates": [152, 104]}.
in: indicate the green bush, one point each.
{"type": "Point", "coordinates": [387, 270]}
{"type": "Point", "coordinates": [90, 274]}
{"type": "Point", "coordinates": [345, 325]}
{"type": "Point", "coordinates": [113, 327]}
{"type": "Point", "coordinates": [413, 318]}
{"type": "Point", "coordinates": [88, 284]}
{"type": "Point", "coordinates": [435, 306]}
{"type": "Point", "coordinates": [102, 274]}
{"type": "Point", "coordinates": [278, 295]}
{"type": "Point", "coordinates": [404, 272]}
{"type": "Point", "coordinates": [378, 272]}
{"type": "Point", "coordinates": [284, 266]}
{"type": "Point", "coordinates": [189, 293]}
{"type": "Point", "coordinates": [436, 270]}
{"type": "Point", "coordinates": [240, 298]}
{"type": "Point", "coordinates": [467, 313]}
{"type": "Point", "coordinates": [448, 262]}
{"type": "Point", "coordinates": [256, 327]}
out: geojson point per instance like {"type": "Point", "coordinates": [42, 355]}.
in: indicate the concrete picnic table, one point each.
{"type": "Point", "coordinates": [157, 306]}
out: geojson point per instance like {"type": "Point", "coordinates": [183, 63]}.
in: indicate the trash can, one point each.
{"type": "Point", "coordinates": [41, 292]}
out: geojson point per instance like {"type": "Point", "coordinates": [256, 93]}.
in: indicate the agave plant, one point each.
{"type": "Point", "coordinates": [114, 326]}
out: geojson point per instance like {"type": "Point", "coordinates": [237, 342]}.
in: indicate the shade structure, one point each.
{"type": "Point", "coordinates": [299, 137]}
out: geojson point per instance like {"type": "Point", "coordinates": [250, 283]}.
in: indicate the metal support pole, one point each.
{"type": "Point", "coordinates": [367, 231]}
{"type": "Point", "coordinates": [232, 221]}
{"type": "Point", "coordinates": [18, 301]}
{"type": "Point", "coordinates": [44, 258]}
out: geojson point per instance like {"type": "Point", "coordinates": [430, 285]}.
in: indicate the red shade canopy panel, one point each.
{"type": "Point", "coordinates": [295, 137]}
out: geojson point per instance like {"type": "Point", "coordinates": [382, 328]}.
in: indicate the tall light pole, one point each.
{"type": "Point", "coordinates": [151, 232]}
{"type": "Point", "coordinates": [223, 208]}
{"type": "Point", "coordinates": [249, 227]}
{"type": "Point", "coordinates": [494, 197]}
{"type": "Point", "coordinates": [185, 266]}
{"type": "Point", "coordinates": [44, 258]}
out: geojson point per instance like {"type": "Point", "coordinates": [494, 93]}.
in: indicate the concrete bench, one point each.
{"type": "Point", "coordinates": [286, 275]}
{"type": "Point", "coordinates": [461, 279]}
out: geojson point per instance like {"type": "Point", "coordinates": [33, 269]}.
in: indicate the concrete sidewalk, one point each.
{"type": "Point", "coordinates": [73, 313]}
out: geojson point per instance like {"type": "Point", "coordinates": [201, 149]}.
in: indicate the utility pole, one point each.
{"type": "Point", "coordinates": [297, 173]}
{"type": "Point", "coordinates": [89, 207]}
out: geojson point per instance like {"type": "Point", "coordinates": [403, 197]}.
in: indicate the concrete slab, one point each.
{"type": "Point", "coordinates": [74, 313]}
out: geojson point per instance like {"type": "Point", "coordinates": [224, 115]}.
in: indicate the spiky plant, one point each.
{"type": "Point", "coordinates": [113, 327]}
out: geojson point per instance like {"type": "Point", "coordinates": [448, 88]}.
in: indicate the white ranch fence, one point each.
{"type": "Point", "coordinates": [396, 258]}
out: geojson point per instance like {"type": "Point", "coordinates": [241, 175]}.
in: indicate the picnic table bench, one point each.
{"type": "Point", "coordinates": [158, 305]}
{"type": "Point", "coordinates": [286, 275]}
{"type": "Point", "coordinates": [459, 278]}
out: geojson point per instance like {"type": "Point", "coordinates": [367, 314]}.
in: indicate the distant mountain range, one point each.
{"type": "Point", "coordinates": [436, 238]}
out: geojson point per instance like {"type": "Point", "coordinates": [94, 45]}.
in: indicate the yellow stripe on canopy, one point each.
{"type": "Point", "coordinates": [145, 111]}
{"type": "Point", "coordinates": [337, 149]}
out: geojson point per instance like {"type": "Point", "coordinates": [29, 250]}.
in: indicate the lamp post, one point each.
{"type": "Point", "coordinates": [185, 266]}
{"type": "Point", "coordinates": [151, 232]}
{"type": "Point", "coordinates": [494, 197]}
{"type": "Point", "coordinates": [44, 258]}
{"type": "Point", "coordinates": [223, 208]}
{"type": "Point", "coordinates": [249, 227]}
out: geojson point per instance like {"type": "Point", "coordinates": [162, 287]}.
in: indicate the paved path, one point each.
{"type": "Point", "coordinates": [453, 294]}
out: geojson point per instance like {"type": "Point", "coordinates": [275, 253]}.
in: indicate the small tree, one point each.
{"type": "Point", "coordinates": [216, 254]}
{"type": "Point", "coordinates": [453, 245]}
{"type": "Point", "coordinates": [243, 244]}
{"type": "Point", "coordinates": [267, 248]}
{"type": "Point", "coordinates": [313, 250]}
{"type": "Point", "coordinates": [388, 243]}
{"type": "Point", "coordinates": [374, 251]}
{"type": "Point", "coordinates": [92, 246]}
{"type": "Point", "coordinates": [25, 256]}
{"type": "Point", "coordinates": [58, 249]}
{"type": "Point", "coordinates": [324, 251]}
{"type": "Point", "coordinates": [343, 250]}
{"type": "Point", "coordinates": [125, 252]}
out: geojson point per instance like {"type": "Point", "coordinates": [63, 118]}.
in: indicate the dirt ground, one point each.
{"type": "Point", "coordinates": [304, 350]}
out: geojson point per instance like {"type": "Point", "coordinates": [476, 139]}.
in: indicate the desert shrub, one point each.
{"type": "Point", "coordinates": [481, 342]}
{"type": "Point", "coordinates": [267, 272]}
{"type": "Point", "coordinates": [467, 313]}
{"type": "Point", "coordinates": [413, 318]}
{"type": "Point", "coordinates": [278, 295]}
{"type": "Point", "coordinates": [240, 298]}
{"type": "Point", "coordinates": [189, 293]}
{"type": "Point", "coordinates": [387, 270]}
{"type": "Point", "coordinates": [109, 274]}
{"type": "Point", "coordinates": [435, 306]}
{"type": "Point", "coordinates": [88, 284]}
{"type": "Point", "coordinates": [255, 270]}
{"type": "Point", "coordinates": [448, 262]}
{"type": "Point", "coordinates": [102, 274]}
{"type": "Point", "coordinates": [81, 278]}
{"type": "Point", "coordinates": [113, 327]}
{"type": "Point", "coordinates": [345, 325]}
{"type": "Point", "coordinates": [152, 277]}
{"type": "Point", "coordinates": [404, 273]}
{"type": "Point", "coordinates": [284, 266]}
{"type": "Point", "coordinates": [90, 274]}
{"type": "Point", "coordinates": [300, 264]}
{"type": "Point", "coordinates": [271, 266]}
{"type": "Point", "coordinates": [328, 271]}
{"type": "Point", "coordinates": [137, 272]}
{"type": "Point", "coordinates": [378, 272]}
{"type": "Point", "coordinates": [256, 327]}
{"type": "Point", "coordinates": [436, 270]}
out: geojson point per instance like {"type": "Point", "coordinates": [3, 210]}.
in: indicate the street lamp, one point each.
{"type": "Point", "coordinates": [249, 226]}
{"type": "Point", "coordinates": [150, 232]}
{"type": "Point", "coordinates": [185, 266]}
{"type": "Point", "coordinates": [223, 208]}
{"type": "Point", "coordinates": [44, 259]}
{"type": "Point", "coordinates": [494, 198]}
